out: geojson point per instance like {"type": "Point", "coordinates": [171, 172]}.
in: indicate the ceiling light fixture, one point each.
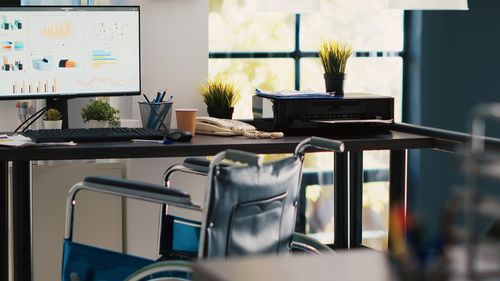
{"type": "Point", "coordinates": [289, 6]}
{"type": "Point", "coordinates": [428, 4]}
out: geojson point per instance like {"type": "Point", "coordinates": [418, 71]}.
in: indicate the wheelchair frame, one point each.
{"type": "Point", "coordinates": [169, 196]}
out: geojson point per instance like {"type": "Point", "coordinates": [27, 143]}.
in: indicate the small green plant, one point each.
{"type": "Point", "coordinates": [219, 94]}
{"type": "Point", "coordinates": [100, 111]}
{"type": "Point", "coordinates": [334, 55]}
{"type": "Point", "coordinates": [53, 115]}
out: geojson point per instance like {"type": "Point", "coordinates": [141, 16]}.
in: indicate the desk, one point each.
{"type": "Point", "coordinates": [357, 265]}
{"type": "Point", "coordinates": [348, 176]}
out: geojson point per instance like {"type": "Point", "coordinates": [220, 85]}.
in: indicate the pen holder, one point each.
{"type": "Point", "coordinates": [156, 115]}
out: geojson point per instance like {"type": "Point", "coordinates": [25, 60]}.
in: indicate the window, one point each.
{"type": "Point", "coordinates": [274, 51]}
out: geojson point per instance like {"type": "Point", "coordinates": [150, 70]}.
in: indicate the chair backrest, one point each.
{"type": "Point", "coordinates": [251, 208]}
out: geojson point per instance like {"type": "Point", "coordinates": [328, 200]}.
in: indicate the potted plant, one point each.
{"type": "Point", "coordinates": [334, 55]}
{"type": "Point", "coordinates": [220, 97]}
{"type": "Point", "coordinates": [53, 119]}
{"type": "Point", "coordinates": [100, 114]}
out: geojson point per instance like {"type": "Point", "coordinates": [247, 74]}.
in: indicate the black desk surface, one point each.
{"type": "Point", "coordinates": [203, 145]}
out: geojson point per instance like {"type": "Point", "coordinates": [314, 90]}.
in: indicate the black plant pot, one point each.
{"type": "Point", "coordinates": [220, 112]}
{"type": "Point", "coordinates": [334, 83]}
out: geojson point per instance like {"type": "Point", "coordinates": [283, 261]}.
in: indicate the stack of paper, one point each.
{"type": "Point", "coordinates": [17, 140]}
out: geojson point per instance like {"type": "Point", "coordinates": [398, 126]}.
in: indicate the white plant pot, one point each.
{"type": "Point", "coordinates": [52, 124]}
{"type": "Point", "coordinates": [97, 124]}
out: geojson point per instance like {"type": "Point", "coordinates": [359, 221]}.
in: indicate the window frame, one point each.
{"type": "Point", "coordinates": [369, 175]}
{"type": "Point", "coordinates": [297, 54]}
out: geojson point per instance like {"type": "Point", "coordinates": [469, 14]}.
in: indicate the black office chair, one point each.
{"type": "Point", "coordinates": [249, 208]}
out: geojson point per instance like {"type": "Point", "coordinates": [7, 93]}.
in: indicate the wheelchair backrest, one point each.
{"type": "Point", "coordinates": [252, 208]}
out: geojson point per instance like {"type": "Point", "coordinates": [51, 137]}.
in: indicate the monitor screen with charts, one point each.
{"type": "Point", "coordinates": [69, 52]}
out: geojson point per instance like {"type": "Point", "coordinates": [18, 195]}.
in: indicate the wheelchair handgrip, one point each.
{"type": "Point", "coordinates": [243, 157]}
{"type": "Point", "coordinates": [327, 144]}
{"type": "Point", "coordinates": [137, 189]}
{"type": "Point", "coordinates": [486, 111]}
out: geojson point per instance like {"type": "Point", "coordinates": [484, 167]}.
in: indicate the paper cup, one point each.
{"type": "Point", "coordinates": [186, 119]}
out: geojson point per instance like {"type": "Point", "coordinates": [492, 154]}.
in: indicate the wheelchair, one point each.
{"type": "Point", "coordinates": [249, 209]}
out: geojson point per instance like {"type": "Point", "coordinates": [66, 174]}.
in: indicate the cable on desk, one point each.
{"type": "Point", "coordinates": [32, 118]}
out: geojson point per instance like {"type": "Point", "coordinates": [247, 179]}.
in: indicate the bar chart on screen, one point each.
{"type": "Point", "coordinates": [102, 58]}
{"type": "Point", "coordinates": [45, 86]}
{"type": "Point", "coordinates": [57, 30]}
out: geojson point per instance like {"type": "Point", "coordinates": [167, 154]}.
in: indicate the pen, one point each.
{"type": "Point", "coordinates": [163, 95]}
{"type": "Point", "coordinates": [150, 110]}
{"type": "Point", "coordinates": [156, 102]}
{"type": "Point", "coordinates": [162, 114]}
{"type": "Point", "coordinates": [165, 141]}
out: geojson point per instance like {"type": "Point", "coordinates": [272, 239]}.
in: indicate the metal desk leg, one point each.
{"type": "Point", "coordinates": [356, 198]}
{"type": "Point", "coordinates": [341, 197]}
{"type": "Point", "coordinates": [397, 184]}
{"type": "Point", "coordinates": [4, 220]}
{"type": "Point", "coordinates": [21, 208]}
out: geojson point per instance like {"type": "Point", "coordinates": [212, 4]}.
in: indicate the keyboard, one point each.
{"type": "Point", "coordinates": [92, 134]}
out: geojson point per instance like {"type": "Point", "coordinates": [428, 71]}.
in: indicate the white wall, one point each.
{"type": "Point", "coordinates": [174, 36]}
{"type": "Point", "coordinates": [8, 116]}
{"type": "Point", "coordinates": [174, 47]}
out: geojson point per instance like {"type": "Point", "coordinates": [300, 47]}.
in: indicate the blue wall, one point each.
{"type": "Point", "coordinates": [459, 59]}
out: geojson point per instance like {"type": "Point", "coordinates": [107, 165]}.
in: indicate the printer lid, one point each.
{"type": "Point", "coordinates": [293, 95]}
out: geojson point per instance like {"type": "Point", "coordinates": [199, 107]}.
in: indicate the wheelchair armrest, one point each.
{"type": "Point", "coordinates": [197, 164]}
{"type": "Point", "coordinates": [193, 165]}
{"type": "Point", "coordinates": [126, 188]}
{"type": "Point", "coordinates": [137, 189]}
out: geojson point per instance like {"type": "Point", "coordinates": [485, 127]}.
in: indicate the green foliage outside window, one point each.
{"type": "Point", "coordinates": [237, 26]}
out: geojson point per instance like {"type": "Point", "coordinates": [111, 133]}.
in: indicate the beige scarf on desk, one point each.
{"type": "Point", "coordinates": [254, 134]}
{"type": "Point", "coordinates": [228, 127]}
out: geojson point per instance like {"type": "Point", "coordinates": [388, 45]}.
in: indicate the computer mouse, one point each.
{"type": "Point", "coordinates": [179, 135]}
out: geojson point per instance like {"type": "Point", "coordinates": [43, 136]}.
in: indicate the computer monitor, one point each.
{"type": "Point", "coordinates": [55, 52]}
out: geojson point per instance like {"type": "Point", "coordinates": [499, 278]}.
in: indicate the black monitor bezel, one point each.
{"type": "Point", "coordinates": [79, 95]}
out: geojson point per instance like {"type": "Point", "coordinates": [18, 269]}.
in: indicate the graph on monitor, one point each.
{"type": "Point", "coordinates": [69, 51]}
{"type": "Point", "coordinates": [61, 29]}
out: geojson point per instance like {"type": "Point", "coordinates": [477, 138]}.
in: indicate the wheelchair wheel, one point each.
{"type": "Point", "coordinates": [165, 270]}
{"type": "Point", "coordinates": [302, 243]}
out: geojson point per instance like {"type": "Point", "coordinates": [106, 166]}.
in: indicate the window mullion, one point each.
{"type": "Point", "coordinates": [297, 52]}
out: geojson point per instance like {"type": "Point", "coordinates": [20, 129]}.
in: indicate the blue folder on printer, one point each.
{"type": "Point", "coordinates": [292, 94]}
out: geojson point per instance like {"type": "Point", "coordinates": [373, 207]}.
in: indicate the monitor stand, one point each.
{"type": "Point", "coordinates": [13, 3]}
{"type": "Point", "coordinates": [60, 104]}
